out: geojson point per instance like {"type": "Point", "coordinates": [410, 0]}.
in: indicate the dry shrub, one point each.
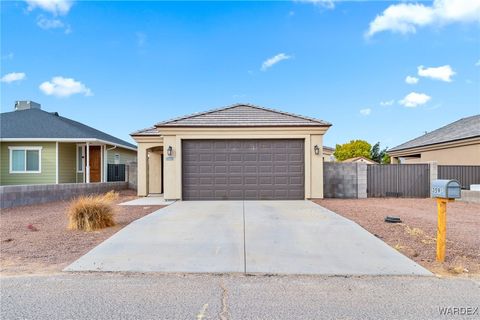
{"type": "Point", "coordinates": [90, 213]}
{"type": "Point", "coordinates": [111, 196]}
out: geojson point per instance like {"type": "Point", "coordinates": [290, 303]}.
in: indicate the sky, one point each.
{"type": "Point", "coordinates": [379, 71]}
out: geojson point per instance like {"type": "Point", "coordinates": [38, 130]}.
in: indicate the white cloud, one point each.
{"type": "Point", "coordinates": [387, 103]}
{"type": "Point", "coordinates": [477, 64]}
{"type": "Point", "coordinates": [56, 7]}
{"type": "Point", "coordinates": [46, 23]}
{"type": "Point", "coordinates": [407, 17]}
{"type": "Point", "coordinates": [13, 76]}
{"type": "Point", "coordinates": [411, 80]}
{"type": "Point", "coordinates": [8, 56]}
{"type": "Point", "coordinates": [443, 73]}
{"type": "Point", "coordinates": [329, 4]}
{"type": "Point", "coordinates": [414, 99]}
{"type": "Point", "coordinates": [365, 112]}
{"type": "Point", "coordinates": [274, 60]}
{"type": "Point", "coordinates": [64, 87]}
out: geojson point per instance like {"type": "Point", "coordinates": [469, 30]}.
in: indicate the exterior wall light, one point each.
{"type": "Point", "coordinates": [316, 149]}
{"type": "Point", "coordinates": [169, 151]}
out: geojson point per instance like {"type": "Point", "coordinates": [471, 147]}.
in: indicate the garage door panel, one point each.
{"type": "Point", "coordinates": [219, 169]}
{"type": "Point", "coordinates": [202, 169]}
{"type": "Point", "coordinates": [265, 169]}
{"type": "Point", "coordinates": [250, 169]}
{"type": "Point", "coordinates": [205, 157]}
{"type": "Point", "coordinates": [295, 168]}
{"type": "Point", "coordinates": [236, 169]}
{"type": "Point", "coordinates": [243, 169]}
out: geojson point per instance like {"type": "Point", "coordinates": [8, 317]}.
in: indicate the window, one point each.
{"type": "Point", "coordinates": [25, 159]}
{"type": "Point", "coordinates": [80, 159]}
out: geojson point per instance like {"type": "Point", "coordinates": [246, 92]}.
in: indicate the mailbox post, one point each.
{"type": "Point", "coordinates": [445, 191]}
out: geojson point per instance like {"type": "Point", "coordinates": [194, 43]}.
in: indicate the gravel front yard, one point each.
{"type": "Point", "coordinates": [416, 236]}
{"type": "Point", "coordinates": [47, 246]}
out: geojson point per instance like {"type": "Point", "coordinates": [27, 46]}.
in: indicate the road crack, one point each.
{"type": "Point", "coordinates": [224, 315]}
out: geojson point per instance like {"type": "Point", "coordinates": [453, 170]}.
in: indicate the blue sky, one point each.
{"type": "Point", "coordinates": [123, 66]}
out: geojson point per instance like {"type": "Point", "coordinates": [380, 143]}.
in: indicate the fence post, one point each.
{"type": "Point", "coordinates": [433, 173]}
{"type": "Point", "coordinates": [361, 180]}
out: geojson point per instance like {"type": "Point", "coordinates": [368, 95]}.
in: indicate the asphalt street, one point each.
{"type": "Point", "coordinates": [230, 296]}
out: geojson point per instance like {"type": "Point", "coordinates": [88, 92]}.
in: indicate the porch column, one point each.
{"type": "Point", "coordinates": [87, 163]}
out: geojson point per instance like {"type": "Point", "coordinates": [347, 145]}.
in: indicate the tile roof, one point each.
{"type": "Point", "coordinates": [461, 129]}
{"type": "Point", "coordinates": [356, 159]}
{"type": "Point", "coordinates": [243, 115]}
{"type": "Point", "coordinates": [152, 131]}
{"type": "Point", "coordinates": [40, 124]}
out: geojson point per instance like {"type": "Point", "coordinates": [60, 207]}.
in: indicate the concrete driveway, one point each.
{"type": "Point", "coordinates": [277, 237]}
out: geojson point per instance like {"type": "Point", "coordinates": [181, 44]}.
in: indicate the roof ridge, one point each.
{"type": "Point", "coordinates": [235, 105]}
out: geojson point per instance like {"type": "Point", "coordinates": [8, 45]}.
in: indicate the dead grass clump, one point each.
{"type": "Point", "coordinates": [111, 196]}
{"type": "Point", "coordinates": [90, 213]}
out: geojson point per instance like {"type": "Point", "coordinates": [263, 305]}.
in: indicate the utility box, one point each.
{"type": "Point", "coordinates": [444, 188]}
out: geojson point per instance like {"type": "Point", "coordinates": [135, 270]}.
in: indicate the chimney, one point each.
{"type": "Point", "coordinates": [26, 104]}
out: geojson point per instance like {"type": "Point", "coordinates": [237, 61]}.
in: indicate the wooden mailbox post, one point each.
{"type": "Point", "coordinates": [445, 191]}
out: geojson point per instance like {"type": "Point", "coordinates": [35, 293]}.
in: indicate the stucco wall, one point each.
{"type": "Point", "coordinates": [460, 155]}
{"type": "Point", "coordinates": [48, 165]}
{"type": "Point", "coordinates": [466, 155]}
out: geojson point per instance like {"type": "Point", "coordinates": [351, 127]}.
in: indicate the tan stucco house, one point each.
{"type": "Point", "coordinates": [328, 154]}
{"type": "Point", "coordinates": [457, 143]}
{"type": "Point", "coordinates": [359, 160]}
{"type": "Point", "coordinates": [233, 153]}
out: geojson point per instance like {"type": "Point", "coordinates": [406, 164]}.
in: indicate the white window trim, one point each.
{"type": "Point", "coordinates": [25, 148]}
{"type": "Point", "coordinates": [83, 158]}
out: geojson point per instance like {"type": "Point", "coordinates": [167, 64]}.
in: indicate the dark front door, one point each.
{"type": "Point", "coordinates": [243, 169]}
{"type": "Point", "coordinates": [95, 163]}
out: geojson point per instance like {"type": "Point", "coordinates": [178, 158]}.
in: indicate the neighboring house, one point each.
{"type": "Point", "coordinates": [457, 143]}
{"type": "Point", "coordinates": [237, 152]}
{"type": "Point", "coordinates": [39, 147]}
{"type": "Point", "coordinates": [359, 160]}
{"type": "Point", "coordinates": [328, 154]}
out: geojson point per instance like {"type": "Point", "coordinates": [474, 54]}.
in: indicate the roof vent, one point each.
{"type": "Point", "coordinates": [26, 104]}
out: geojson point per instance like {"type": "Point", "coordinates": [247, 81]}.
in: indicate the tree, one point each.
{"type": "Point", "coordinates": [352, 149]}
{"type": "Point", "coordinates": [378, 155]}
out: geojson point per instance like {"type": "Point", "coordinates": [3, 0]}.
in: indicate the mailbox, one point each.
{"type": "Point", "coordinates": [444, 188]}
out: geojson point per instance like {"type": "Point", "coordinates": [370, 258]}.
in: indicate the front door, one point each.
{"type": "Point", "coordinates": [95, 163]}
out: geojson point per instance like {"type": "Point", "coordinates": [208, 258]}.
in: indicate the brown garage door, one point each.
{"type": "Point", "coordinates": [243, 169]}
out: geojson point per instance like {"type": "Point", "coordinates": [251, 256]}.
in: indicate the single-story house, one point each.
{"type": "Point", "coordinates": [328, 154]}
{"type": "Point", "coordinates": [457, 143]}
{"type": "Point", "coordinates": [359, 160]}
{"type": "Point", "coordinates": [238, 152]}
{"type": "Point", "coordinates": [40, 147]}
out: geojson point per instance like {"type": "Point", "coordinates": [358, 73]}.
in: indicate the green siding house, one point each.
{"type": "Point", "coordinates": [40, 147]}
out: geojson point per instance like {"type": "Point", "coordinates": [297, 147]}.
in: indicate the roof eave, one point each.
{"type": "Point", "coordinates": [431, 144]}
{"type": "Point", "coordinates": [72, 140]}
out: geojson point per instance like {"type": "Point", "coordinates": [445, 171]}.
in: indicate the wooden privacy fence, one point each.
{"type": "Point", "coordinates": [398, 180]}
{"type": "Point", "coordinates": [466, 175]}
